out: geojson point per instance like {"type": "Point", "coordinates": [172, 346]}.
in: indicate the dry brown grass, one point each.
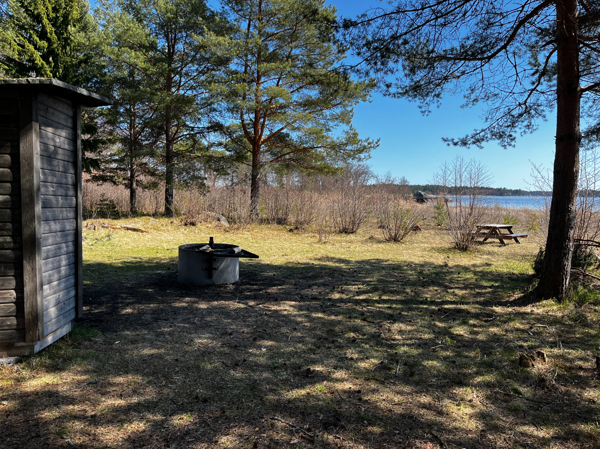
{"type": "Point", "coordinates": [312, 334]}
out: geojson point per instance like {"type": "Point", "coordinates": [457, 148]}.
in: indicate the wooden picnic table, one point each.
{"type": "Point", "coordinates": [494, 231]}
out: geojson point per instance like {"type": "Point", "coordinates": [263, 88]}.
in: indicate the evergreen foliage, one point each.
{"type": "Point", "coordinates": [162, 47]}
{"type": "Point", "coordinates": [45, 38]}
{"type": "Point", "coordinates": [285, 100]}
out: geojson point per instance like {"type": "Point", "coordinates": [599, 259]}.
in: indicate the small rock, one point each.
{"type": "Point", "coordinates": [9, 361]}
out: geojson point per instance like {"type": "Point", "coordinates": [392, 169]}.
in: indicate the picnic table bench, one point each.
{"type": "Point", "coordinates": [494, 231]}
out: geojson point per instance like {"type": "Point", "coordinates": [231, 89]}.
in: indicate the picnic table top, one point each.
{"type": "Point", "coordinates": [497, 226]}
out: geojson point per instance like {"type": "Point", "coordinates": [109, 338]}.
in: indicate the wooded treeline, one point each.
{"type": "Point", "coordinates": [256, 87]}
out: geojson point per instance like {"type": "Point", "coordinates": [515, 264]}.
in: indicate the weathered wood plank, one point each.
{"type": "Point", "coordinates": [7, 175]}
{"type": "Point", "coordinates": [10, 256]}
{"type": "Point", "coordinates": [59, 214]}
{"type": "Point", "coordinates": [57, 141]}
{"type": "Point", "coordinates": [50, 252]}
{"type": "Point", "coordinates": [10, 201]}
{"type": "Point", "coordinates": [57, 201]}
{"type": "Point", "coordinates": [10, 229]}
{"type": "Point", "coordinates": [57, 177]}
{"type": "Point", "coordinates": [12, 336]}
{"type": "Point", "coordinates": [58, 274]}
{"type": "Point", "coordinates": [9, 269]}
{"type": "Point", "coordinates": [11, 323]}
{"type": "Point", "coordinates": [57, 104]}
{"type": "Point", "coordinates": [8, 282]}
{"type": "Point", "coordinates": [8, 216]}
{"type": "Point", "coordinates": [79, 218]}
{"type": "Point", "coordinates": [57, 153]}
{"type": "Point", "coordinates": [54, 336]}
{"type": "Point", "coordinates": [8, 309]}
{"type": "Point", "coordinates": [57, 165]}
{"type": "Point", "coordinates": [58, 237]}
{"type": "Point", "coordinates": [59, 321]}
{"type": "Point", "coordinates": [50, 189]}
{"type": "Point", "coordinates": [31, 215]}
{"type": "Point", "coordinates": [57, 121]}
{"type": "Point", "coordinates": [8, 296]}
{"type": "Point", "coordinates": [58, 262]}
{"type": "Point", "coordinates": [8, 161]}
{"type": "Point", "coordinates": [9, 147]}
{"type": "Point", "coordinates": [50, 227]}
{"type": "Point", "coordinates": [9, 242]}
{"type": "Point", "coordinates": [59, 309]}
{"type": "Point", "coordinates": [55, 117]}
{"type": "Point", "coordinates": [64, 131]}
{"type": "Point", "coordinates": [8, 188]}
{"type": "Point", "coordinates": [58, 286]}
{"type": "Point", "coordinates": [60, 297]}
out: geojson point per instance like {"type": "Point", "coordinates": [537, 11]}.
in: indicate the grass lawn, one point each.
{"type": "Point", "coordinates": [356, 343]}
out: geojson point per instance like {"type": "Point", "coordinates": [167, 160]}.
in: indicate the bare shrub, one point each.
{"type": "Point", "coordinates": [462, 180]}
{"type": "Point", "coordinates": [396, 218]}
{"type": "Point", "coordinates": [350, 198]}
{"type": "Point", "coordinates": [324, 222]}
{"type": "Point", "coordinates": [587, 219]}
{"type": "Point", "coordinates": [233, 203]}
{"type": "Point", "coordinates": [275, 205]}
{"type": "Point", "coordinates": [302, 210]}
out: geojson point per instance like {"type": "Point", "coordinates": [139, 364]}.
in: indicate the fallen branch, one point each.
{"type": "Point", "coordinates": [581, 272]}
{"type": "Point", "coordinates": [240, 441]}
{"type": "Point", "coordinates": [442, 443]}
{"type": "Point", "coordinates": [522, 397]}
{"type": "Point", "coordinates": [294, 426]}
{"type": "Point", "coordinates": [124, 227]}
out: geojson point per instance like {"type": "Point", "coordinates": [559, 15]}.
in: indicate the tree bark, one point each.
{"type": "Point", "coordinates": [554, 280]}
{"type": "Point", "coordinates": [255, 186]}
{"type": "Point", "coordinates": [169, 169]}
{"type": "Point", "coordinates": [132, 192]}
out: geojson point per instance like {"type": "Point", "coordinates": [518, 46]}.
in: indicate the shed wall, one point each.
{"type": "Point", "coordinates": [58, 159]}
{"type": "Point", "coordinates": [12, 325]}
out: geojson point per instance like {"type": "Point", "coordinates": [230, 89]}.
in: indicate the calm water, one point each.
{"type": "Point", "coordinates": [521, 202]}
{"type": "Point", "coordinates": [517, 202]}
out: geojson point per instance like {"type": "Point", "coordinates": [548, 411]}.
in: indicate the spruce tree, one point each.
{"type": "Point", "coordinates": [45, 38]}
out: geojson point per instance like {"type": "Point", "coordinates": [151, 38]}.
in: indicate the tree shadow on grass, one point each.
{"type": "Point", "coordinates": [368, 353]}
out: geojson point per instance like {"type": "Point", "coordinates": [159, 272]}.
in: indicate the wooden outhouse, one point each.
{"type": "Point", "coordinates": [41, 284]}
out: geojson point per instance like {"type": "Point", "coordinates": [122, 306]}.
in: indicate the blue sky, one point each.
{"type": "Point", "coordinates": [412, 146]}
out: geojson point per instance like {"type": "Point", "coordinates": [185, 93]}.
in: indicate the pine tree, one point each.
{"type": "Point", "coordinates": [284, 100]}
{"type": "Point", "coordinates": [164, 43]}
{"type": "Point", "coordinates": [521, 59]}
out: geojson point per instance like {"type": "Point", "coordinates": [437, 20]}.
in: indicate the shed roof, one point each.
{"type": "Point", "coordinates": [58, 88]}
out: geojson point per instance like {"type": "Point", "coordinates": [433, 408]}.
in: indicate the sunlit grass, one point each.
{"type": "Point", "coordinates": [356, 341]}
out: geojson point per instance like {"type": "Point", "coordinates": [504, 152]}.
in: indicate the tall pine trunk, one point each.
{"type": "Point", "coordinates": [133, 142]}
{"type": "Point", "coordinates": [169, 169]}
{"type": "Point", "coordinates": [255, 185]}
{"type": "Point", "coordinates": [554, 280]}
{"type": "Point", "coordinates": [133, 192]}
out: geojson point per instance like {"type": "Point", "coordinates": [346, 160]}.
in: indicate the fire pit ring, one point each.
{"type": "Point", "coordinates": [210, 263]}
